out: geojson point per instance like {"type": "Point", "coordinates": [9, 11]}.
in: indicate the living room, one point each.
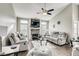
{"type": "Point", "coordinates": [39, 29]}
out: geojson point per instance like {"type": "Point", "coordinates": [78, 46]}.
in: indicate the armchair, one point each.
{"type": "Point", "coordinates": [75, 48]}
{"type": "Point", "coordinates": [0, 44]}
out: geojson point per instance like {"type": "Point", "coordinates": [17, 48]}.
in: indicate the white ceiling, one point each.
{"type": "Point", "coordinates": [29, 10]}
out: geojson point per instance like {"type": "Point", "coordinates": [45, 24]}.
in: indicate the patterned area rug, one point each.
{"type": "Point", "coordinates": [56, 50]}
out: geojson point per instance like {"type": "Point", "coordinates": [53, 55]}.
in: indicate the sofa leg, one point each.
{"type": "Point", "coordinates": [16, 54]}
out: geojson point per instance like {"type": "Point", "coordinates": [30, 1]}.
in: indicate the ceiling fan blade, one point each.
{"type": "Point", "coordinates": [50, 10]}
{"type": "Point", "coordinates": [49, 13]}
{"type": "Point", "coordinates": [42, 8]}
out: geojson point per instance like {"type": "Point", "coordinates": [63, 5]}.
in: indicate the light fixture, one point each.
{"type": "Point", "coordinates": [44, 13]}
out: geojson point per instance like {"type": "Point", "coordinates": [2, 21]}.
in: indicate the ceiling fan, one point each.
{"type": "Point", "coordinates": [45, 11]}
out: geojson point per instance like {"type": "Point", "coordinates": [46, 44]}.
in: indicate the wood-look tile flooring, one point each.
{"type": "Point", "coordinates": [56, 50]}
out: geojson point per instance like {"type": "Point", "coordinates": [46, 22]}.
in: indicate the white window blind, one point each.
{"type": "Point", "coordinates": [24, 26]}
{"type": "Point", "coordinates": [44, 27]}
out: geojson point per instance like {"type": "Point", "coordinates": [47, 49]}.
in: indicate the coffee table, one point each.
{"type": "Point", "coordinates": [40, 51]}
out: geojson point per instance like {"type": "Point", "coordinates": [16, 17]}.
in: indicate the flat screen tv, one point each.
{"type": "Point", "coordinates": [35, 23]}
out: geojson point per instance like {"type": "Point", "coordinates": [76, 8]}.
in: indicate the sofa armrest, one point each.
{"type": "Point", "coordinates": [21, 41]}
{"type": "Point", "coordinates": [10, 49]}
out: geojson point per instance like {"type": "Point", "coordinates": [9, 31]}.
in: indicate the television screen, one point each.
{"type": "Point", "coordinates": [35, 23]}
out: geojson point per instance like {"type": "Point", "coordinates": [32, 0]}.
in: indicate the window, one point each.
{"type": "Point", "coordinates": [23, 26]}
{"type": "Point", "coordinates": [75, 29]}
{"type": "Point", "coordinates": [44, 27]}
{"type": "Point", "coordinates": [78, 28]}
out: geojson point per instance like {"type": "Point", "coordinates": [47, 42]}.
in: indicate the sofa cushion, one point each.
{"type": "Point", "coordinates": [55, 34]}
{"type": "Point", "coordinates": [8, 41]}
{"type": "Point", "coordinates": [21, 36]}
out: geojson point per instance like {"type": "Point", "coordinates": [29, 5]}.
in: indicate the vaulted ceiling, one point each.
{"type": "Point", "coordinates": [9, 11]}
{"type": "Point", "coordinates": [29, 10]}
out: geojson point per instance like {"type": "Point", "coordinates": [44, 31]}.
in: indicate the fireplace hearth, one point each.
{"type": "Point", "coordinates": [35, 36]}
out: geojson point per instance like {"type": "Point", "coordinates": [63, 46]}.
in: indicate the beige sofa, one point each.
{"type": "Point", "coordinates": [59, 38]}
{"type": "Point", "coordinates": [12, 43]}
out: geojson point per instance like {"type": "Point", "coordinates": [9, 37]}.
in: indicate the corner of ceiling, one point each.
{"type": "Point", "coordinates": [60, 11]}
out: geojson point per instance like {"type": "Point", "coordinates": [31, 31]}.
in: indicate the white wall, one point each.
{"type": "Point", "coordinates": [7, 16]}
{"type": "Point", "coordinates": [3, 30]}
{"type": "Point", "coordinates": [65, 17]}
{"type": "Point", "coordinates": [7, 19]}
{"type": "Point", "coordinates": [75, 19]}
